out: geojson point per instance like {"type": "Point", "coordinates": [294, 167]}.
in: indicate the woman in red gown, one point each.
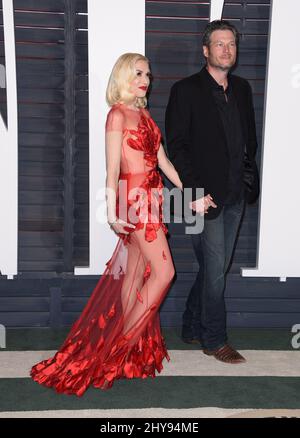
{"type": "Point", "coordinates": [118, 333]}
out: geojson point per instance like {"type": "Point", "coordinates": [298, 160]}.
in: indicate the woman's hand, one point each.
{"type": "Point", "coordinates": [202, 205]}
{"type": "Point", "coordinates": [119, 226]}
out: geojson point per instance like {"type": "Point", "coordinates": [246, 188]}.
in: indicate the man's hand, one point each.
{"type": "Point", "coordinates": [202, 205]}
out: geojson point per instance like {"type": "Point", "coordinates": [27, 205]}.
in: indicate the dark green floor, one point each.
{"type": "Point", "coordinates": [245, 339]}
{"type": "Point", "coordinates": [161, 392]}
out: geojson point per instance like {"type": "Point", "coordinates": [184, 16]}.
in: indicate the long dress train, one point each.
{"type": "Point", "coordinates": [118, 333]}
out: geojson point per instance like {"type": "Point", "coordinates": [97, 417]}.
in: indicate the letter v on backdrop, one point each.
{"type": "Point", "coordinates": [279, 210]}
{"type": "Point", "coordinates": [9, 152]}
{"type": "Point", "coordinates": [114, 28]}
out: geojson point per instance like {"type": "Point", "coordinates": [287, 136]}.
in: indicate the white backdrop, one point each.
{"type": "Point", "coordinates": [113, 28]}
{"type": "Point", "coordinates": [9, 152]}
{"type": "Point", "coordinates": [279, 224]}
{"type": "Point", "coordinates": [279, 208]}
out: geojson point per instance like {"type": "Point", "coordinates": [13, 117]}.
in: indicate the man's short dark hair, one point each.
{"type": "Point", "coordinates": [218, 25]}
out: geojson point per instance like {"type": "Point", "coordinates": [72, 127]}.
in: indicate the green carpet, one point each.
{"type": "Point", "coordinates": [244, 339]}
{"type": "Point", "coordinates": [164, 392]}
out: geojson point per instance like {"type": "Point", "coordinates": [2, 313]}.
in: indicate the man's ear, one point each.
{"type": "Point", "coordinates": [205, 51]}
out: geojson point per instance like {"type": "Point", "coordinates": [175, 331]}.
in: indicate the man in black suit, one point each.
{"type": "Point", "coordinates": [209, 126]}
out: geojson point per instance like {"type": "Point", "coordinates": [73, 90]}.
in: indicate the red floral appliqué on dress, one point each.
{"type": "Point", "coordinates": [147, 138]}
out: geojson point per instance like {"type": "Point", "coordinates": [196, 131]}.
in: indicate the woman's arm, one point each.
{"type": "Point", "coordinates": [113, 147]}
{"type": "Point", "coordinates": [167, 167]}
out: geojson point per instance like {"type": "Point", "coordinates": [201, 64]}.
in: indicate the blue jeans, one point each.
{"type": "Point", "coordinates": [205, 314]}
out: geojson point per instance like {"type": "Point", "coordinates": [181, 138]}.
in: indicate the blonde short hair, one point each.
{"type": "Point", "coordinates": [122, 75]}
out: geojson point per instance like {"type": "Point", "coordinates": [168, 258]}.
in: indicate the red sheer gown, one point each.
{"type": "Point", "coordinates": [118, 333]}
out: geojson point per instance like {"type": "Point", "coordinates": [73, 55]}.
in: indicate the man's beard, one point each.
{"type": "Point", "coordinates": [220, 66]}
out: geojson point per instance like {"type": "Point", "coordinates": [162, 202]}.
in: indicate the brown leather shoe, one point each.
{"type": "Point", "coordinates": [226, 354]}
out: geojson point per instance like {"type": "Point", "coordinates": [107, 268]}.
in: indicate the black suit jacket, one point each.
{"type": "Point", "coordinates": [195, 134]}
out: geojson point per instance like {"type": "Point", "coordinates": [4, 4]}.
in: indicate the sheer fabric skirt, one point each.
{"type": "Point", "coordinates": [118, 333]}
